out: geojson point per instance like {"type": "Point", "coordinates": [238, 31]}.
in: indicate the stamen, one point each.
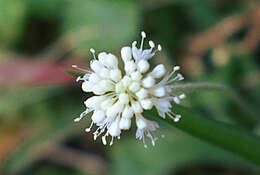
{"type": "Point", "coordinates": [111, 142]}
{"type": "Point", "coordinates": [143, 37]}
{"type": "Point", "coordinates": [81, 69]}
{"type": "Point", "coordinates": [176, 100]}
{"type": "Point", "coordinates": [82, 115]}
{"type": "Point", "coordinates": [159, 47]}
{"type": "Point", "coordinates": [151, 44]}
{"type": "Point", "coordinates": [182, 96]}
{"type": "Point", "coordinates": [174, 117]}
{"type": "Point", "coordinates": [145, 146]}
{"type": "Point", "coordinates": [104, 138]}
{"type": "Point", "coordinates": [178, 77]}
{"type": "Point", "coordinates": [93, 53]}
{"type": "Point", "coordinates": [176, 68]}
{"type": "Point", "coordinates": [89, 128]}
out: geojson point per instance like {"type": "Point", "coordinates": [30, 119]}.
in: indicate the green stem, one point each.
{"type": "Point", "coordinates": [250, 119]}
{"type": "Point", "coordinates": [230, 138]}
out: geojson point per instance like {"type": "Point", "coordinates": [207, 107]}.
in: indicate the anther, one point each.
{"type": "Point", "coordinates": [151, 44]}
{"type": "Point", "coordinates": [93, 53]}
{"type": "Point", "coordinates": [159, 47]}
{"type": "Point", "coordinates": [143, 34]}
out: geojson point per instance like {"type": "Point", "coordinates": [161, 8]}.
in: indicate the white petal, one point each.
{"type": "Point", "coordinates": [134, 86]}
{"type": "Point", "coordinates": [114, 110]}
{"type": "Point", "coordinates": [94, 78]}
{"type": "Point", "coordinates": [136, 76]}
{"type": "Point", "coordinates": [120, 87]}
{"type": "Point", "coordinates": [143, 66]}
{"type": "Point", "coordinates": [126, 81]}
{"type": "Point", "coordinates": [123, 98]}
{"type": "Point", "coordinates": [93, 101]}
{"type": "Point", "coordinates": [136, 107]}
{"type": "Point", "coordinates": [96, 66]}
{"type": "Point", "coordinates": [114, 129]}
{"type": "Point", "coordinates": [107, 103]}
{"type": "Point", "coordinates": [98, 116]}
{"type": "Point", "coordinates": [141, 123]}
{"type": "Point", "coordinates": [126, 53]}
{"type": "Point", "coordinates": [127, 112]}
{"type": "Point", "coordinates": [148, 82]}
{"type": "Point", "coordinates": [130, 67]}
{"type": "Point", "coordinates": [87, 86]}
{"type": "Point", "coordinates": [159, 92]}
{"type": "Point", "coordinates": [158, 71]}
{"type": "Point", "coordinates": [147, 104]}
{"type": "Point", "coordinates": [125, 123]}
{"type": "Point", "coordinates": [142, 93]}
{"type": "Point", "coordinates": [115, 75]}
{"type": "Point", "coordinates": [102, 57]}
{"type": "Point", "coordinates": [111, 61]}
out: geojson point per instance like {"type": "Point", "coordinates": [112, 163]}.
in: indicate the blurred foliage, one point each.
{"type": "Point", "coordinates": [212, 40]}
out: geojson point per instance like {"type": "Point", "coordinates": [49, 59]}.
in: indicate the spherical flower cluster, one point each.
{"type": "Point", "coordinates": [121, 95]}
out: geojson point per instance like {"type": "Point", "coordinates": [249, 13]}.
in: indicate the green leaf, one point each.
{"type": "Point", "coordinates": [225, 136]}
{"type": "Point", "coordinates": [170, 153]}
{"type": "Point", "coordinates": [74, 74]}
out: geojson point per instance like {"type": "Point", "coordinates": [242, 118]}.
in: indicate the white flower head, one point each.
{"type": "Point", "coordinates": [120, 95]}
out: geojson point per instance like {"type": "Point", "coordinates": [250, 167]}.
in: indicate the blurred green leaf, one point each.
{"type": "Point", "coordinates": [12, 15]}
{"type": "Point", "coordinates": [99, 24]}
{"type": "Point", "coordinates": [16, 99]}
{"type": "Point", "coordinates": [37, 147]}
